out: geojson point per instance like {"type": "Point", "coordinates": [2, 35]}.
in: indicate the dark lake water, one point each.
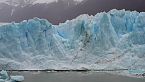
{"type": "Point", "coordinates": [76, 77]}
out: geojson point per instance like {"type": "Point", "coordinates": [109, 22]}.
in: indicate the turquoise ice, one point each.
{"type": "Point", "coordinates": [108, 40]}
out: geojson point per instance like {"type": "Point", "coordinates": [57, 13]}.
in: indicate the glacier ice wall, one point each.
{"type": "Point", "coordinates": [115, 39]}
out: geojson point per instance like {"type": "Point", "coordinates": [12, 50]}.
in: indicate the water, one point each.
{"type": "Point", "coordinates": [75, 77]}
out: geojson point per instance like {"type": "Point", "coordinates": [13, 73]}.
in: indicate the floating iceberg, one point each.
{"type": "Point", "coordinates": [4, 77]}
{"type": "Point", "coordinates": [136, 71]}
{"type": "Point", "coordinates": [112, 40]}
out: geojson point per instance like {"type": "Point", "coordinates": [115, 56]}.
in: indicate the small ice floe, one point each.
{"type": "Point", "coordinates": [4, 77]}
{"type": "Point", "coordinates": [17, 78]}
{"type": "Point", "coordinates": [139, 72]}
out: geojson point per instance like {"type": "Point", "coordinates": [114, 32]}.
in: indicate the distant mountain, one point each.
{"type": "Point", "coordinates": [52, 11]}
{"type": "Point", "coordinates": [32, 2]}
{"type": "Point", "coordinates": [62, 10]}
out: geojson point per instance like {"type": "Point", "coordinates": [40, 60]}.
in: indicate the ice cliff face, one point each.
{"type": "Point", "coordinates": [105, 41]}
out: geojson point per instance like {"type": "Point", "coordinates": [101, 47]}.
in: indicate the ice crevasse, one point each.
{"type": "Point", "coordinates": [112, 40]}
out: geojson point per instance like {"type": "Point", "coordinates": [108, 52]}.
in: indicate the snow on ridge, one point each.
{"type": "Point", "coordinates": [44, 1]}
{"type": "Point", "coordinates": [3, 23]}
{"type": "Point", "coordinates": [50, 1]}
{"type": "Point", "coordinates": [23, 2]}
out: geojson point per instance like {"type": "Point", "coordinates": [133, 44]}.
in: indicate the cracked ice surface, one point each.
{"type": "Point", "coordinates": [115, 39]}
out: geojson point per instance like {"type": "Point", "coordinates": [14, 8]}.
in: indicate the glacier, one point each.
{"type": "Point", "coordinates": [108, 40]}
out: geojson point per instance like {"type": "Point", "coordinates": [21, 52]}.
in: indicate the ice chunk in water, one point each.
{"type": "Point", "coordinates": [17, 78]}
